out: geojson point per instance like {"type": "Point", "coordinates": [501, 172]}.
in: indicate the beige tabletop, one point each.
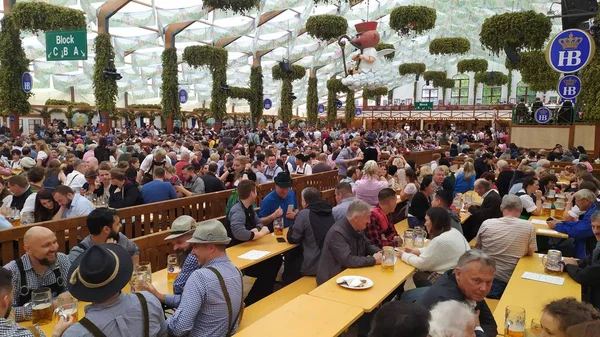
{"type": "Point", "coordinates": [267, 243]}
{"type": "Point", "coordinates": [305, 316]}
{"type": "Point", "coordinates": [545, 230]}
{"type": "Point", "coordinates": [532, 295]}
{"type": "Point", "coordinates": [384, 283]}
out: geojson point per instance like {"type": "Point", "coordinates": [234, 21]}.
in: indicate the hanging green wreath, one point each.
{"type": "Point", "coordinates": [383, 46]}
{"type": "Point", "coordinates": [170, 84]}
{"type": "Point", "coordinates": [412, 68]}
{"type": "Point", "coordinates": [286, 106]}
{"type": "Point", "coordinates": [70, 110]}
{"type": "Point", "coordinates": [326, 27]}
{"type": "Point", "coordinates": [520, 30]}
{"type": "Point", "coordinates": [105, 89]}
{"type": "Point", "coordinates": [491, 78]}
{"type": "Point", "coordinates": [589, 97]}
{"type": "Point", "coordinates": [449, 45]}
{"type": "Point", "coordinates": [472, 65]}
{"type": "Point", "coordinates": [34, 17]}
{"type": "Point", "coordinates": [536, 72]}
{"type": "Point", "coordinates": [436, 77]}
{"type": "Point", "coordinates": [350, 108]}
{"type": "Point", "coordinates": [312, 101]}
{"type": "Point", "coordinates": [237, 6]}
{"type": "Point", "coordinates": [374, 93]}
{"type": "Point", "coordinates": [414, 18]}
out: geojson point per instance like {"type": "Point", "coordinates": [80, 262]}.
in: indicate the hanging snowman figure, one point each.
{"type": "Point", "coordinates": [367, 70]}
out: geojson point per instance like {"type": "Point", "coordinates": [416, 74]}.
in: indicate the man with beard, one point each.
{"type": "Point", "coordinates": [104, 225]}
{"type": "Point", "coordinates": [181, 231]}
{"type": "Point", "coordinates": [40, 266]}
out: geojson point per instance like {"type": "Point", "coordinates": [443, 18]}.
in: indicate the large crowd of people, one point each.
{"type": "Point", "coordinates": [61, 173]}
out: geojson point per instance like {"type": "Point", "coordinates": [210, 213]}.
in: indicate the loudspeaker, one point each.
{"type": "Point", "coordinates": [584, 9]}
{"type": "Point", "coordinates": [512, 55]}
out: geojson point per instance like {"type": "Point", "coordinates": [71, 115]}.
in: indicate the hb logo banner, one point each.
{"type": "Point", "coordinates": [570, 51]}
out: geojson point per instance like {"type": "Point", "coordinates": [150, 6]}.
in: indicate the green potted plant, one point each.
{"type": "Point", "coordinates": [418, 19]}
{"type": "Point", "coordinates": [449, 45]}
{"type": "Point", "coordinates": [472, 65]}
{"type": "Point", "coordinates": [326, 26]}
{"type": "Point", "coordinates": [237, 6]}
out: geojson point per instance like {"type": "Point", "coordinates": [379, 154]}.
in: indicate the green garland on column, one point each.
{"type": "Point", "coordinates": [312, 101]}
{"type": "Point", "coordinates": [105, 90]}
{"type": "Point", "coordinates": [350, 109]}
{"type": "Point", "coordinates": [170, 84]}
{"type": "Point", "coordinates": [589, 98]}
{"type": "Point", "coordinates": [334, 86]}
{"type": "Point", "coordinates": [256, 86]}
{"type": "Point", "coordinates": [285, 106]}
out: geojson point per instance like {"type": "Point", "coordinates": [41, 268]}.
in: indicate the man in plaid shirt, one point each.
{"type": "Point", "coordinates": [380, 230]}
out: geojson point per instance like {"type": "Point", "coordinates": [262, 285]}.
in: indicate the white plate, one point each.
{"type": "Point", "coordinates": [351, 279]}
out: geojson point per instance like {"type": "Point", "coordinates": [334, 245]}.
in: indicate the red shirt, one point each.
{"type": "Point", "coordinates": [178, 168]}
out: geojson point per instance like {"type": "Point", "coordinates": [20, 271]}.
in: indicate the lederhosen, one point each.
{"type": "Point", "coordinates": [24, 291]}
{"type": "Point", "coordinates": [147, 177]}
{"type": "Point", "coordinates": [19, 201]}
{"type": "Point", "coordinates": [231, 323]}
{"type": "Point", "coordinates": [94, 330]}
{"type": "Point", "coordinates": [524, 213]}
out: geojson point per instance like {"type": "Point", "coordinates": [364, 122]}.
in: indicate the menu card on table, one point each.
{"type": "Point", "coordinates": [254, 254]}
{"type": "Point", "coordinates": [544, 278]}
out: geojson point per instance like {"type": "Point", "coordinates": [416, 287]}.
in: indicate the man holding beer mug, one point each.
{"type": "Point", "coordinates": [181, 231]}
{"type": "Point", "coordinates": [40, 266]}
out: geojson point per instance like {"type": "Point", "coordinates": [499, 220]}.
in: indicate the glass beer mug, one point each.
{"type": "Point", "coordinates": [67, 307]}
{"type": "Point", "coordinates": [419, 236]}
{"type": "Point", "coordinates": [41, 306]}
{"type": "Point", "coordinates": [173, 268]}
{"type": "Point", "coordinates": [388, 258]}
{"type": "Point", "coordinates": [551, 261]}
{"type": "Point", "coordinates": [514, 321]}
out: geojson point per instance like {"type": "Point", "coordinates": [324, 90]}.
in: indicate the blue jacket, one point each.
{"type": "Point", "coordinates": [463, 185]}
{"type": "Point", "coordinates": [579, 230]}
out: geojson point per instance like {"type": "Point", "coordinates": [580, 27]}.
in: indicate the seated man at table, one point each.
{"type": "Point", "coordinates": [246, 226]}
{"type": "Point", "coordinates": [343, 197]}
{"type": "Point", "coordinates": [104, 225]}
{"type": "Point", "coordinates": [309, 230]}
{"type": "Point", "coordinates": [531, 198]}
{"type": "Point", "coordinates": [21, 197]}
{"type": "Point", "coordinates": [506, 240]}
{"type": "Point", "coordinates": [489, 209]}
{"type": "Point", "coordinates": [99, 276]}
{"type": "Point", "coordinates": [444, 200]}
{"type": "Point", "coordinates": [587, 271]}
{"type": "Point", "coordinates": [40, 266]}
{"type": "Point", "coordinates": [580, 230]}
{"type": "Point", "coordinates": [470, 282]}
{"type": "Point", "coordinates": [71, 204]}
{"type": "Point", "coordinates": [346, 245]}
{"type": "Point", "coordinates": [284, 198]}
{"type": "Point", "coordinates": [380, 230]}
{"type": "Point", "coordinates": [181, 231]}
{"type": "Point", "coordinates": [212, 301]}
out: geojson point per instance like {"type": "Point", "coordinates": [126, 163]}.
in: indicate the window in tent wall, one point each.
{"type": "Point", "coordinates": [491, 95]}
{"type": "Point", "coordinates": [429, 93]}
{"type": "Point", "coordinates": [460, 92]}
{"type": "Point", "coordinates": [523, 91]}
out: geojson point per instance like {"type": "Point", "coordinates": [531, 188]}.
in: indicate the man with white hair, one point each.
{"type": "Point", "coordinates": [76, 179]}
{"type": "Point", "coordinates": [346, 245]}
{"type": "Point", "coordinates": [452, 318]}
{"type": "Point", "coordinates": [580, 230]}
{"type": "Point", "coordinates": [506, 240]}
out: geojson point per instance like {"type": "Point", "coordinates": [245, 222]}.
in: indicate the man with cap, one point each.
{"type": "Point", "coordinates": [98, 276]}
{"type": "Point", "coordinates": [104, 225]}
{"type": "Point", "coordinates": [181, 231]}
{"type": "Point", "coordinates": [282, 197]}
{"type": "Point", "coordinates": [212, 300]}
{"type": "Point", "coordinates": [26, 163]}
{"type": "Point", "coordinates": [40, 266]}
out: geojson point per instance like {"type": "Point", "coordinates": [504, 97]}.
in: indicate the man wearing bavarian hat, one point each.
{"type": "Point", "coordinates": [98, 276]}
{"type": "Point", "coordinates": [211, 303]}
{"type": "Point", "coordinates": [181, 231]}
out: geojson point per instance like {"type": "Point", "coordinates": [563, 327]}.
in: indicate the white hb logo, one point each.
{"type": "Point", "coordinates": [572, 58]}
{"type": "Point", "coordinates": [569, 91]}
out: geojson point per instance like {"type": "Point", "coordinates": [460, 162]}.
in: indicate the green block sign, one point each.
{"type": "Point", "coordinates": [66, 45]}
{"type": "Point", "coordinates": [424, 106]}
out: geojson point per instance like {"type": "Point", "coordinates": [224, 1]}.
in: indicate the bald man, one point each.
{"type": "Point", "coordinates": [40, 266]}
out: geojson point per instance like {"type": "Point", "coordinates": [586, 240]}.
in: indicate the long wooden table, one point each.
{"type": "Point", "coordinates": [545, 230]}
{"type": "Point", "coordinates": [266, 243]}
{"type": "Point", "coordinates": [532, 295]}
{"type": "Point", "coordinates": [384, 283]}
{"type": "Point", "coordinates": [305, 316]}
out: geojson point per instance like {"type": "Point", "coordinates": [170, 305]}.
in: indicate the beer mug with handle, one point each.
{"type": "Point", "coordinates": [41, 306]}
{"type": "Point", "coordinates": [514, 321]}
{"type": "Point", "coordinates": [67, 306]}
{"type": "Point", "coordinates": [552, 261]}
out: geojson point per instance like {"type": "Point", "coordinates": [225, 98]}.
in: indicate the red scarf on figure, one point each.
{"type": "Point", "coordinates": [381, 218]}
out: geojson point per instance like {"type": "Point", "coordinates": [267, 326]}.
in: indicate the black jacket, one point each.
{"type": "Point", "coordinates": [212, 183]}
{"type": "Point", "coordinates": [489, 209]}
{"type": "Point", "coordinates": [446, 289]}
{"type": "Point", "coordinates": [587, 273]}
{"type": "Point", "coordinates": [503, 182]}
{"type": "Point", "coordinates": [481, 167]}
{"type": "Point", "coordinates": [128, 196]}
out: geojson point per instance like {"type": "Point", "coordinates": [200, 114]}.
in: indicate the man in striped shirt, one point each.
{"type": "Point", "coordinates": [506, 240]}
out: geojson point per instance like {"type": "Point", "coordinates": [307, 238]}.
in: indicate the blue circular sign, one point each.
{"type": "Point", "coordinates": [267, 103]}
{"type": "Point", "coordinates": [358, 111]}
{"type": "Point", "coordinates": [542, 115]}
{"type": "Point", "coordinates": [321, 108]}
{"type": "Point", "coordinates": [183, 96]}
{"type": "Point", "coordinates": [11, 118]}
{"type": "Point", "coordinates": [338, 104]}
{"type": "Point", "coordinates": [27, 82]}
{"type": "Point", "coordinates": [569, 87]}
{"type": "Point", "coordinates": [570, 50]}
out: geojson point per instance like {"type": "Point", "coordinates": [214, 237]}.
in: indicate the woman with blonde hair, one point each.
{"type": "Point", "coordinates": [424, 172]}
{"type": "Point", "coordinates": [43, 153]}
{"type": "Point", "coordinates": [465, 180]}
{"type": "Point", "coordinates": [372, 181]}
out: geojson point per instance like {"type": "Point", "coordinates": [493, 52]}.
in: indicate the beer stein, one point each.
{"type": "Point", "coordinates": [173, 268]}
{"type": "Point", "coordinates": [41, 306]}
{"type": "Point", "coordinates": [278, 226]}
{"type": "Point", "coordinates": [552, 261]}
{"type": "Point", "coordinates": [67, 306]}
{"type": "Point", "coordinates": [388, 258]}
{"type": "Point", "coordinates": [419, 237]}
{"type": "Point", "coordinates": [409, 238]}
{"type": "Point", "coordinates": [514, 321]}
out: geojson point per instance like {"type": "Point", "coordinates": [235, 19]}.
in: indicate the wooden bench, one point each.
{"type": "Point", "coordinates": [272, 302]}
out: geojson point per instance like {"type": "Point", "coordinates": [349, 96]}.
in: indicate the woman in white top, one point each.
{"type": "Point", "coordinates": [446, 246]}
{"type": "Point", "coordinates": [42, 153]}
{"type": "Point", "coordinates": [302, 167]}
